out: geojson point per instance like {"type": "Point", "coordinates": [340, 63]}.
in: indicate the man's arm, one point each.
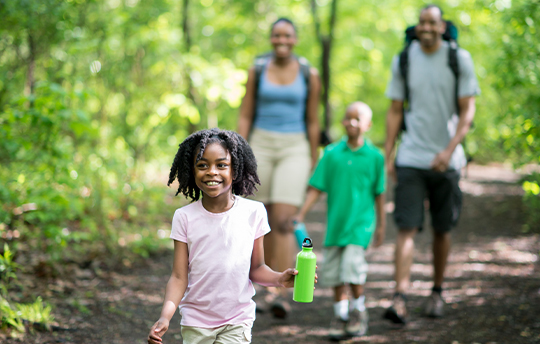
{"type": "Point", "coordinates": [380, 230]}
{"type": "Point", "coordinates": [394, 117]}
{"type": "Point", "coordinates": [467, 108]}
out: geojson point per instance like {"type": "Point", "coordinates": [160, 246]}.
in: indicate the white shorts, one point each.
{"type": "Point", "coordinates": [283, 166]}
{"type": "Point", "coordinates": [343, 265]}
{"type": "Point", "coordinates": [226, 334]}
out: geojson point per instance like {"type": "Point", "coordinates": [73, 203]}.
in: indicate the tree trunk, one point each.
{"type": "Point", "coordinates": [30, 79]}
{"type": "Point", "coordinates": [192, 92]}
{"type": "Point", "coordinates": [326, 47]}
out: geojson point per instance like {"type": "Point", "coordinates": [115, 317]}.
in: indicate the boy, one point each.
{"type": "Point", "coordinates": [351, 172]}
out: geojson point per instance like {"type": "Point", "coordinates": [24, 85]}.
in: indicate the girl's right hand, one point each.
{"type": "Point", "coordinates": [157, 331]}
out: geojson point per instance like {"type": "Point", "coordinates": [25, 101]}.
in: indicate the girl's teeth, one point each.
{"type": "Point", "coordinates": [212, 183]}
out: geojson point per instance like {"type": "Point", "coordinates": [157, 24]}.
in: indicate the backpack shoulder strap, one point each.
{"type": "Point", "coordinates": [404, 71]}
{"type": "Point", "coordinates": [305, 69]}
{"type": "Point", "coordinates": [260, 62]}
{"type": "Point", "coordinates": [453, 63]}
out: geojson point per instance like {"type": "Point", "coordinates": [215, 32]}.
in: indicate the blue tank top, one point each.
{"type": "Point", "coordinates": [281, 108]}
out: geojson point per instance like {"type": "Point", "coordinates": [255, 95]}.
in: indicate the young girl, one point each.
{"type": "Point", "coordinates": [218, 242]}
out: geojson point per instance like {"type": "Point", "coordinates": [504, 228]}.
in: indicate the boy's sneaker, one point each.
{"type": "Point", "coordinates": [397, 313]}
{"type": "Point", "coordinates": [358, 323]}
{"type": "Point", "coordinates": [337, 329]}
{"type": "Point", "coordinates": [435, 305]}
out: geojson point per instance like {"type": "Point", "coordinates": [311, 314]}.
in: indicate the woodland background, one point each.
{"type": "Point", "coordinates": [95, 97]}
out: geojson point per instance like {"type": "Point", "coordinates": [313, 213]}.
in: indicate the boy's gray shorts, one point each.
{"type": "Point", "coordinates": [343, 265]}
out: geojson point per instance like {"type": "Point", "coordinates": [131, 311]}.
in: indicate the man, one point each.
{"type": "Point", "coordinates": [430, 156]}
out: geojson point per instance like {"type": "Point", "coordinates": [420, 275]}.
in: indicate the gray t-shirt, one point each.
{"type": "Point", "coordinates": [432, 120]}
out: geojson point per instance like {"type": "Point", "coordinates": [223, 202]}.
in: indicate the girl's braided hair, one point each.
{"type": "Point", "coordinates": [244, 165]}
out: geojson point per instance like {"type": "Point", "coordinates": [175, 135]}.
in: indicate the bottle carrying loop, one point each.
{"type": "Point", "coordinates": [307, 243]}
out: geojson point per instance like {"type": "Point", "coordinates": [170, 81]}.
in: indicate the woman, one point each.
{"type": "Point", "coordinates": [279, 118]}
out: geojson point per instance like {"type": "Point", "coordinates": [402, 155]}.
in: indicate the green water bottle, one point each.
{"type": "Point", "coordinates": [304, 282]}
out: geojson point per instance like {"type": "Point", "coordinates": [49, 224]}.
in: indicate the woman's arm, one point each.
{"type": "Point", "coordinates": [312, 119]}
{"type": "Point", "coordinates": [174, 292]}
{"type": "Point", "coordinates": [261, 274]}
{"type": "Point", "coordinates": [247, 108]}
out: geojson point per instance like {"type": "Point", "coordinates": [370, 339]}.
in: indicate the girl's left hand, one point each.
{"type": "Point", "coordinates": [286, 279]}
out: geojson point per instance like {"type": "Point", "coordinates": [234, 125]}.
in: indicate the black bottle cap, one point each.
{"type": "Point", "coordinates": [307, 243]}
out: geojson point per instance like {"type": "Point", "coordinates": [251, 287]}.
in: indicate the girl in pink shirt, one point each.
{"type": "Point", "coordinates": [218, 242]}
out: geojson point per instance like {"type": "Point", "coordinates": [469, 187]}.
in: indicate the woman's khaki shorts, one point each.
{"type": "Point", "coordinates": [343, 265]}
{"type": "Point", "coordinates": [226, 334]}
{"type": "Point", "coordinates": [283, 166]}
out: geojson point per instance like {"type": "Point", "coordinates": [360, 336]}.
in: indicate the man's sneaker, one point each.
{"type": "Point", "coordinates": [397, 313]}
{"type": "Point", "coordinates": [358, 323]}
{"type": "Point", "coordinates": [337, 329]}
{"type": "Point", "coordinates": [435, 305]}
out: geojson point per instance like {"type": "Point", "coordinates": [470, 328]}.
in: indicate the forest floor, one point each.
{"type": "Point", "coordinates": [492, 288]}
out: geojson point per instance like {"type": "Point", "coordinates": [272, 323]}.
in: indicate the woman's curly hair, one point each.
{"type": "Point", "coordinates": [244, 165]}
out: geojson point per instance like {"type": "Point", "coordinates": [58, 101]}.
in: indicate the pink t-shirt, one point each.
{"type": "Point", "coordinates": [219, 290]}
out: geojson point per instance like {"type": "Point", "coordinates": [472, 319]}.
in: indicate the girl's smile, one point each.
{"type": "Point", "coordinates": [213, 175]}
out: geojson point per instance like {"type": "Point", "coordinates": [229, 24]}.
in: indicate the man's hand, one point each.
{"type": "Point", "coordinates": [441, 161]}
{"type": "Point", "coordinates": [157, 331]}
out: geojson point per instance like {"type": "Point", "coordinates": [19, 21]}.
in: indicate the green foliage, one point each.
{"type": "Point", "coordinates": [9, 317]}
{"type": "Point", "coordinates": [519, 68]}
{"type": "Point", "coordinates": [37, 312]}
{"type": "Point", "coordinates": [12, 316]}
{"type": "Point", "coordinates": [531, 186]}
{"type": "Point", "coordinates": [8, 269]}
{"type": "Point", "coordinates": [519, 118]}
{"type": "Point", "coordinates": [96, 96]}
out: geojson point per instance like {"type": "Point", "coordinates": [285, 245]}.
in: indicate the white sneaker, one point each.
{"type": "Point", "coordinates": [358, 323]}
{"type": "Point", "coordinates": [337, 329]}
{"type": "Point", "coordinates": [434, 305]}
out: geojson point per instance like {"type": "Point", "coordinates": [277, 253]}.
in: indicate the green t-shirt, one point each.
{"type": "Point", "coordinates": [352, 180]}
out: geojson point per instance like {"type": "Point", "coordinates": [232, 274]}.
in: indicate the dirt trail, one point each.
{"type": "Point", "coordinates": [492, 288]}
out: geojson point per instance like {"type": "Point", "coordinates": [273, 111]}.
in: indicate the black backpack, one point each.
{"type": "Point", "coordinates": [261, 61]}
{"type": "Point", "coordinates": [449, 35]}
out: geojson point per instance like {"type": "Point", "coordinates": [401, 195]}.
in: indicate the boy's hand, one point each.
{"type": "Point", "coordinates": [294, 220]}
{"type": "Point", "coordinates": [157, 331]}
{"type": "Point", "coordinates": [379, 236]}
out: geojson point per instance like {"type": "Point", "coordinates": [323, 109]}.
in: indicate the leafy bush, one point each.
{"type": "Point", "coordinates": [8, 269]}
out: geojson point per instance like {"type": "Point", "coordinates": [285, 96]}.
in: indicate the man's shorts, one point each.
{"type": "Point", "coordinates": [225, 334]}
{"type": "Point", "coordinates": [440, 188]}
{"type": "Point", "coordinates": [283, 166]}
{"type": "Point", "coordinates": [343, 265]}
